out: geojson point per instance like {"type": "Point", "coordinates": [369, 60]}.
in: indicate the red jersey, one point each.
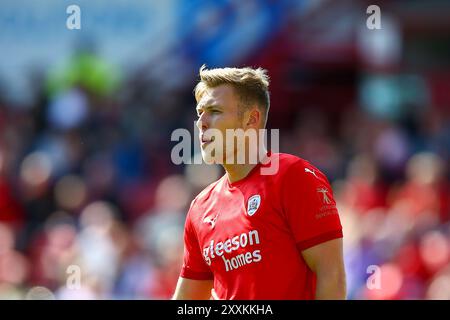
{"type": "Point", "coordinates": [248, 235]}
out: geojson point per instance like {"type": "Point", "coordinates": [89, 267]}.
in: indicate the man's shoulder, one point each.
{"type": "Point", "coordinates": [297, 169]}
{"type": "Point", "coordinates": [292, 167]}
{"type": "Point", "coordinates": [206, 192]}
{"type": "Point", "coordinates": [291, 162]}
{"type": "Point", "coordinates": [204, 199]}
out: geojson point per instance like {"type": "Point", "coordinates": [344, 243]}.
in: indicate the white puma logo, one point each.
{"type": "Point", "coordinates": [311, 171]}
{"type": "Point", "coordinates": [211, 221]}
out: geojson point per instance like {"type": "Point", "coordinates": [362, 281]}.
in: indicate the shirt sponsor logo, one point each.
{"type": "Point", "coordinates": [328, 205]}
{"type": "Point", "coordinates": [230, 245]}
{"type": "Point", "coordinates": [253, 204]}
{"type": "Point", "coordinates": [324, 192]}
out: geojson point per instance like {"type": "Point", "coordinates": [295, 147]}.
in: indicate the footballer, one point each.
{"type": "Point", "coordinates": [254, 235]}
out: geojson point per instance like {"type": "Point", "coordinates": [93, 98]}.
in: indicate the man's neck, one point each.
{"type": "Point", "coordinates": [236, 172]}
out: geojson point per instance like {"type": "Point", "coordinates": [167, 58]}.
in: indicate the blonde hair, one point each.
{"type": "Point", "coordinates": [250, 85]}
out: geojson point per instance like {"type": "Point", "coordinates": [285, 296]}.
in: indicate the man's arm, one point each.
{"type": "Point", "coordinates": [188, 289]}
{"type": "Point", "coordinates": [326, 260]}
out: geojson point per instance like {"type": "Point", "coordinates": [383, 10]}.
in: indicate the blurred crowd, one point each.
{"type": "Point", "coordinates": [92, 207]}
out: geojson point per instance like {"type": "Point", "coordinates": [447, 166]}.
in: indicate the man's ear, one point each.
{"type": "Point", "coordinates": [254, 118]}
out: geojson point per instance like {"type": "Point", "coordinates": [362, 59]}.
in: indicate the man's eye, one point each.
{"type": "Point", "coordinates": [215, 111]}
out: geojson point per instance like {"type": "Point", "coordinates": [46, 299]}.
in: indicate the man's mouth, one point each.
{"type": "Point", "coordinates": [205, 140]}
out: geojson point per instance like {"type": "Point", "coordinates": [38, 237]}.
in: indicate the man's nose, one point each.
{"type": "Point", "coordinates": [202, 122]}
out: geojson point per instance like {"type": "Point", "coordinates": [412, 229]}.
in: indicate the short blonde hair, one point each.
{"type": "Point", "coordinates": [250, 85]}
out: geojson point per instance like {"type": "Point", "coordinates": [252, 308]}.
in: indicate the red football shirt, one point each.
{"type": "Point", "coordinates": [248, 235]}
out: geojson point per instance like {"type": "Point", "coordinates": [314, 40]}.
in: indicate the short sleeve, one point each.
{"type": "Point", "coordinates": [194, 266]}
{"type": "Point", "coordinates": [309, 206]}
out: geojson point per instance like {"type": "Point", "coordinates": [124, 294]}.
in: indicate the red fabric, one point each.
{"type": "Point", "coordinates": [319, 239]}
{"type": "Point", "coordinates": [256, 256]}
{"type": "Point", "coordinates": [10, 210]}
{"type": "Point", "coordinates": [194, 267]}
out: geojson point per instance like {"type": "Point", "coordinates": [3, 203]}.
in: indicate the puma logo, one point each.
{"type": "Point", "coordinates": [311, 171]}
{"type": "Point", "coordinates": [212, 222]}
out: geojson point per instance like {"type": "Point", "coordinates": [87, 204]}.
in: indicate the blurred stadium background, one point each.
{"type": "Point", "coordinates": [86, 116]}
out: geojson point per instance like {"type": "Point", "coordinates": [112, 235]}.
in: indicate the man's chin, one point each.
{"type": "Point", "coordinates": [208, 158]}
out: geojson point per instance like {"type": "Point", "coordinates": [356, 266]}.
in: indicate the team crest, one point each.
{"type": "Point", "coordinates": [253, 204]}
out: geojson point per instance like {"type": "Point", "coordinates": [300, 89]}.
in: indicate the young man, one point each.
{"type": "Point", "coordinates": [256, 235]}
